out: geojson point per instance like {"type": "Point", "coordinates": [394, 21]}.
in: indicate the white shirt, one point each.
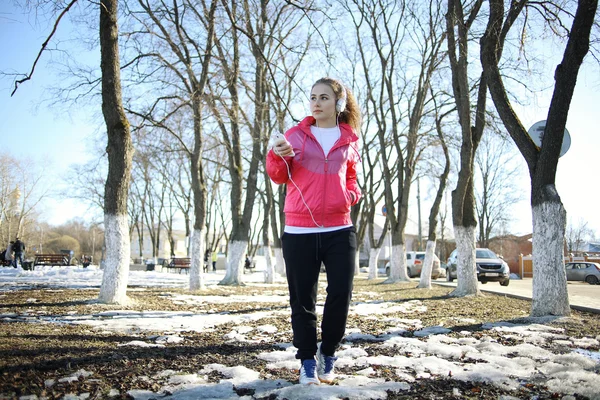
{"type": "Point", "coordinates": [326, 137]}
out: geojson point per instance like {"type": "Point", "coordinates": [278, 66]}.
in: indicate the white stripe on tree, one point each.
{"type": "Point", "coordinates": [398, 265]}
{"type": "Point", "coordinates": [197, 260]}
{"type": "Point", "coordinates": [466, 269]}
{"type": "Point", "coordinates": [113, 289]}
{"type": "Point", "coordinates": [280, 261]}
{"type": "Point", "coordinates": [550, 295]}
{"type": "Point", "coordinates": [373, 257]}
{"type": "Point", "coordinates": [235, 263]}
{"type": "Point", "coordinates": [270, 272]}
{"type": "Point", "coordinates": [426, 270]}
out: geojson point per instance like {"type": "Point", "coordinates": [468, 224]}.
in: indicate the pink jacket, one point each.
{"type": "Point", "coordinates": [325, 181]}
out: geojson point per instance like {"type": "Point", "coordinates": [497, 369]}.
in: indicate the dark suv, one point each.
{"type": "Point", "coordinates": [490, 267]}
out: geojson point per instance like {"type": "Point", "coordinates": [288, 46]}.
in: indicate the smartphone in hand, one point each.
{"type": "Point", "coordinates": [279, 139]}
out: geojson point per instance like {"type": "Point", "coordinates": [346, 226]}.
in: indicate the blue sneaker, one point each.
{"type": "Point", "coordinates": [308, 372]}
{"type": "Point", "coordinates": [326, 367]}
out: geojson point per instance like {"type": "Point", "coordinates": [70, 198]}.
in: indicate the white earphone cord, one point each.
{"type": "Point", "coordinates": [299, 191]}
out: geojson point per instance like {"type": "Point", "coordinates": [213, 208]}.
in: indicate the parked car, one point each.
{"type": "Point", "coordinates": [490, 267]}
{"type": "Point", "coordinates": [414, 264]}
{"type": "Point", "coordinates": [583, 271]}
{"type": "Point", "coordinates": [442, 270]}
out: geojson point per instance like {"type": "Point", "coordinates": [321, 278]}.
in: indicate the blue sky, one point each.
{"type": "Point", "coordinates": [53, 137]}
{"type": "Point", "coordinates": [31, 130]}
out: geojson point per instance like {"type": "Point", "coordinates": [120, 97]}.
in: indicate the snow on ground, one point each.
{"type": "Point", "coordinates": [573, 369]}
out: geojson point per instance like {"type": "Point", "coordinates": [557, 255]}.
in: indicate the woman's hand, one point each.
{"type": "Point", "coordinates": [283, 148]}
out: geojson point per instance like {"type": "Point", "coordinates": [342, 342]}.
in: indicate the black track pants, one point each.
{"type": "Point", "coordinates": [303, 255]}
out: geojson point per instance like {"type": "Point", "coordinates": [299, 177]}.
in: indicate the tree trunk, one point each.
{"type": "Point", "coordinates": [549, 277]}
{"type": "Point", "coordinates": [550, 296]}
{"type": "Point", "coordinates": [463, 199]}
{"type": "Point", "coordinates": [373, 257]}
{"type": "Point", "coordinates": [466, 269]}
{"type": "Point", "coordinates": [197, 260]}
{"type": "Point", "coordinates": [199, 190]}
{"type": "Point", "coordinates": [235, 262]}
{"type": "Point", "coordinates": [464, 233]}
{"type": "Point", "coordinates": [270, 272]}
{"type": "Point", "coordinates": [425, 279]}
{"type": "Point", "coordinates": [398, 271]}
{"type": "Point", "coordinates": [120, 153]}
{"type": "Point", "coordinates": [279, 261]}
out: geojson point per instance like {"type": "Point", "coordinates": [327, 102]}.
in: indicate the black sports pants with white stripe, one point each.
{"type": "Point", "coordinates": [303, 255]}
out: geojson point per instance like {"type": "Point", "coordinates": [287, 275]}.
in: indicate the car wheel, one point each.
{"type": "Point", "coordinates": [592, 280]}
{"type": "Point", "coordinates": [448, 277]}
{"type": "Point", "coordinates": [483, 282]}
{"type": "Point", "coordinates": [387, 271]}
{"type": "Point", "coordinates": [505, 282]}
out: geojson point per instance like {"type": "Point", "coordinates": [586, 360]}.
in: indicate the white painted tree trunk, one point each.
{"type": "Point", "coordinates": [550, 295]}
{"type": "Point", "coordinates": [357, 263]}
{"type": "Point", "coordinates": [425, 281]}
{"type": "Point", "coordinates": [398, 271]}
{"type": "Point", "coordinates": [466, 270]}
{"type": "Point", "coordinates": [270, 272]}
{"type": "Point", "coordinates": [197, 260]}
{"type": "Point", "coordinates": [373, 257]}
{"type": "Point", "coordinates": [113, 289]}
{"type": "Point", "coordinates": [280, 261]}
{"type": "Point", "coordinates": [235, 263]}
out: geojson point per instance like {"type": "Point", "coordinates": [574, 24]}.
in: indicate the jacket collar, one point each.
{"type": "Point", "coordinates": [347, 133]}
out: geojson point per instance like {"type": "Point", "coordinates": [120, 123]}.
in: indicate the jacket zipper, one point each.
{"type": "Point", "coordinates": [324, 190]}
{"type": "Point", "coordinates": [339, 143]}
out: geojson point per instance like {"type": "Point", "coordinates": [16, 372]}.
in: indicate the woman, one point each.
{"type": "Point", "coordinates": [317, 159]}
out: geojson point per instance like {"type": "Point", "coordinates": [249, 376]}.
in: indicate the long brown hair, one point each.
{"type": "Point", "coordinates": [351, 114]}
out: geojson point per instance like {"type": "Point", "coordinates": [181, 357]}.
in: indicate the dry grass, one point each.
{"type": "Point", "coordinates": [33, 351]}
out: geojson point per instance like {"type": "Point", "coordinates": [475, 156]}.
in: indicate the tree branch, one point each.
{"type": "Point", "coordinates": [28, 76]}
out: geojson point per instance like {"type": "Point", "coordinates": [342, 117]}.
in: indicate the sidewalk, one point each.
{"type": "Point", "coordinates": [582, 296]}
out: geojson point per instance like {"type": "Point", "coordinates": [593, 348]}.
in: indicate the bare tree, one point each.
{"type": "Point", "coordinates": [279, 98]}
{"type": "Point", "coordinates": [22, 188]}
{"type": "Point", "coordinates": [577, 235]}
{"type": "Point", "coordinates": [496, 189]}
{"type": "Point", "coordinates": [175, 42]}
{"type": "Point", "coordinates": [88, 182]}
{"type": "Point", "coordinates": [426, 270]}
{"type": "Point", "coordinates": [472, 120]}
{"type": "Point", "coordinates": [226, 110]}
{"type": "Point", "coordinates": [550, 295]}
{"type": "Point", "coordinates": [120, 153]}
{"type": "Point", "coordinates": [398, 90]}
{"type": "Point", "coordinates": [372, 188]}
{"type": "Point", "coordinates": [257, 34]}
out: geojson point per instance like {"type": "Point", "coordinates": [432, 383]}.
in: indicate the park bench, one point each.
{"type": "Point", "coordinates": [51, 259]}
{"type": "Point", "coordinates": [180, 264]}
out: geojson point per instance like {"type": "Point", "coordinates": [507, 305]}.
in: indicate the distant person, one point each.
{"type": "Point", "coordinates": [19, 249]}
{"type": "Point", "coordinates": [215, 256]}
{"type": "Point", "coordinates": [8, 253]}
{"type": "Point", "coordinates": [206, 256]}
{"type": "Point", "coordinates": [86, 260]}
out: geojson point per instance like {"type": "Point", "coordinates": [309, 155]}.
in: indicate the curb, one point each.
{"type": "Point", "coordinates": [521, 297]}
